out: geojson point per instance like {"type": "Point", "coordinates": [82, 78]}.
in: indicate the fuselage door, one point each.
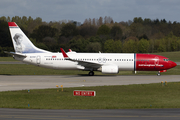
{"type": "Point", "coordinates": [156, 61]}
{"type": "Point", "coordinates": [38, 59]}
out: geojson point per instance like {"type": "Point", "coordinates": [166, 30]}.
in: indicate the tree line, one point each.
{"type": "Point", "coordinates": [94, 35]}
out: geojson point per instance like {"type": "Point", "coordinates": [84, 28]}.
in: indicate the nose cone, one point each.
{"type": "Point", "coordinates": [173, 64]}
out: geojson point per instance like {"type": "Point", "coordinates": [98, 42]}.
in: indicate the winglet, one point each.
{"type": "Point", "coordinates": [70, 50]}
{"type": "Point", "coordinates": [64, 54]}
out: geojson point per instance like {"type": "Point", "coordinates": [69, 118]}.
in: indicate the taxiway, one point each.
{"type": "Point", "coordinates": [21, 82]}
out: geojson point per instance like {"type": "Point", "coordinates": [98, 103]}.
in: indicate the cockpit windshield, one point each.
{"type": "Point", "coordinates": [166, 59]}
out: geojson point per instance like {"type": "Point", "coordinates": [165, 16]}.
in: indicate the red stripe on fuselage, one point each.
{"type": "Point", "coordinates": [150, 62]}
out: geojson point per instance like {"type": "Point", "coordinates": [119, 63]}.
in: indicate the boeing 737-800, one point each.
{"type": "Point", "coordinates": [111, 63]}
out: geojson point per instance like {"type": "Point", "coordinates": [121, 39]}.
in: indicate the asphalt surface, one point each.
{"type": "Point", "coordinates": [125, 114]}
{"type": "Point", "coordinates": [22, 82]}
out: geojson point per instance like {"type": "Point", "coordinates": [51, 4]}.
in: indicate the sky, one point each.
{"type": "Point", "coordinates": [79, 10]}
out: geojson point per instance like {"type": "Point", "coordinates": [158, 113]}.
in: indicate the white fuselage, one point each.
{"type": "Point", "coordinates": [124, 61]}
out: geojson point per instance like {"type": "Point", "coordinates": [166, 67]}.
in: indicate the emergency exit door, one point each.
{"type": "Point", "coordinates": [38, 59]}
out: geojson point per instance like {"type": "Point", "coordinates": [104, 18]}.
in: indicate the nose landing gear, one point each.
{"type": "Point", "coordinates": [159, 73]}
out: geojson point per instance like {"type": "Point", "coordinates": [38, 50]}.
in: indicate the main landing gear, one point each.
{"type": "Point", "coordinates": [91, 73]}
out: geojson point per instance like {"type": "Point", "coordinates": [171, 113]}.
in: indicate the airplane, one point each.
{"type": "Point", "coordinates": [108, 63]}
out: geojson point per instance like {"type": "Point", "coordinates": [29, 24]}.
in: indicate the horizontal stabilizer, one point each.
{"type": "Point", "coordinates": [17, 54]}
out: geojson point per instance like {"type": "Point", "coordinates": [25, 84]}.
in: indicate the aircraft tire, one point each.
{"type": "Point", "coordinates": [91, 73]}
{"type": "Point", "coordinates": [158, 74]}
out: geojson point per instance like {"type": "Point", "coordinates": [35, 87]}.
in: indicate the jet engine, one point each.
{"type": "Point", "coordinates": [109, 69]}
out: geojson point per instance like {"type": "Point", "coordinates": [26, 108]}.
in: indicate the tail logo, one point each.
{"type": "Point", "coordinates": [18, 38]}
{"type": "Point", "coordinates": [21, 42]}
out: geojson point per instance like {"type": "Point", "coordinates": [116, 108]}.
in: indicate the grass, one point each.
{"type": "Point", "coordinates": [23, 69]}
{"type": "Point", "coordinates": [107, 97]}
{"type": "Point", "coordinates": [7, 59]}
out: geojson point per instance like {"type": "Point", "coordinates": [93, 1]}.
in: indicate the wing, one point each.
{"type": "Point", "coordinates": [87, 64]}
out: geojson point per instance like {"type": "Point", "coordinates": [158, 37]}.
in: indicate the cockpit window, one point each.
{"type": "Point", "coordinates": [166, 59]}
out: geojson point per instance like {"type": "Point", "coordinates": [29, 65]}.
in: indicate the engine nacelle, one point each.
{"type": "Point", "coordinates": [110, 69]}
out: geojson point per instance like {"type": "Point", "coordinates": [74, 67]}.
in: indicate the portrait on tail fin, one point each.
{"type": "Point", "coordinates": [18, 38]}
{"type": "Point", "coordinates": [22, 44]}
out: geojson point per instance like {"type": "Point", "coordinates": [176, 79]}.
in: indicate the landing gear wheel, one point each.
{"type": "Point", "coordinates": [91, 73]}
{"type": "Point", "coordinates": [158, 74]}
